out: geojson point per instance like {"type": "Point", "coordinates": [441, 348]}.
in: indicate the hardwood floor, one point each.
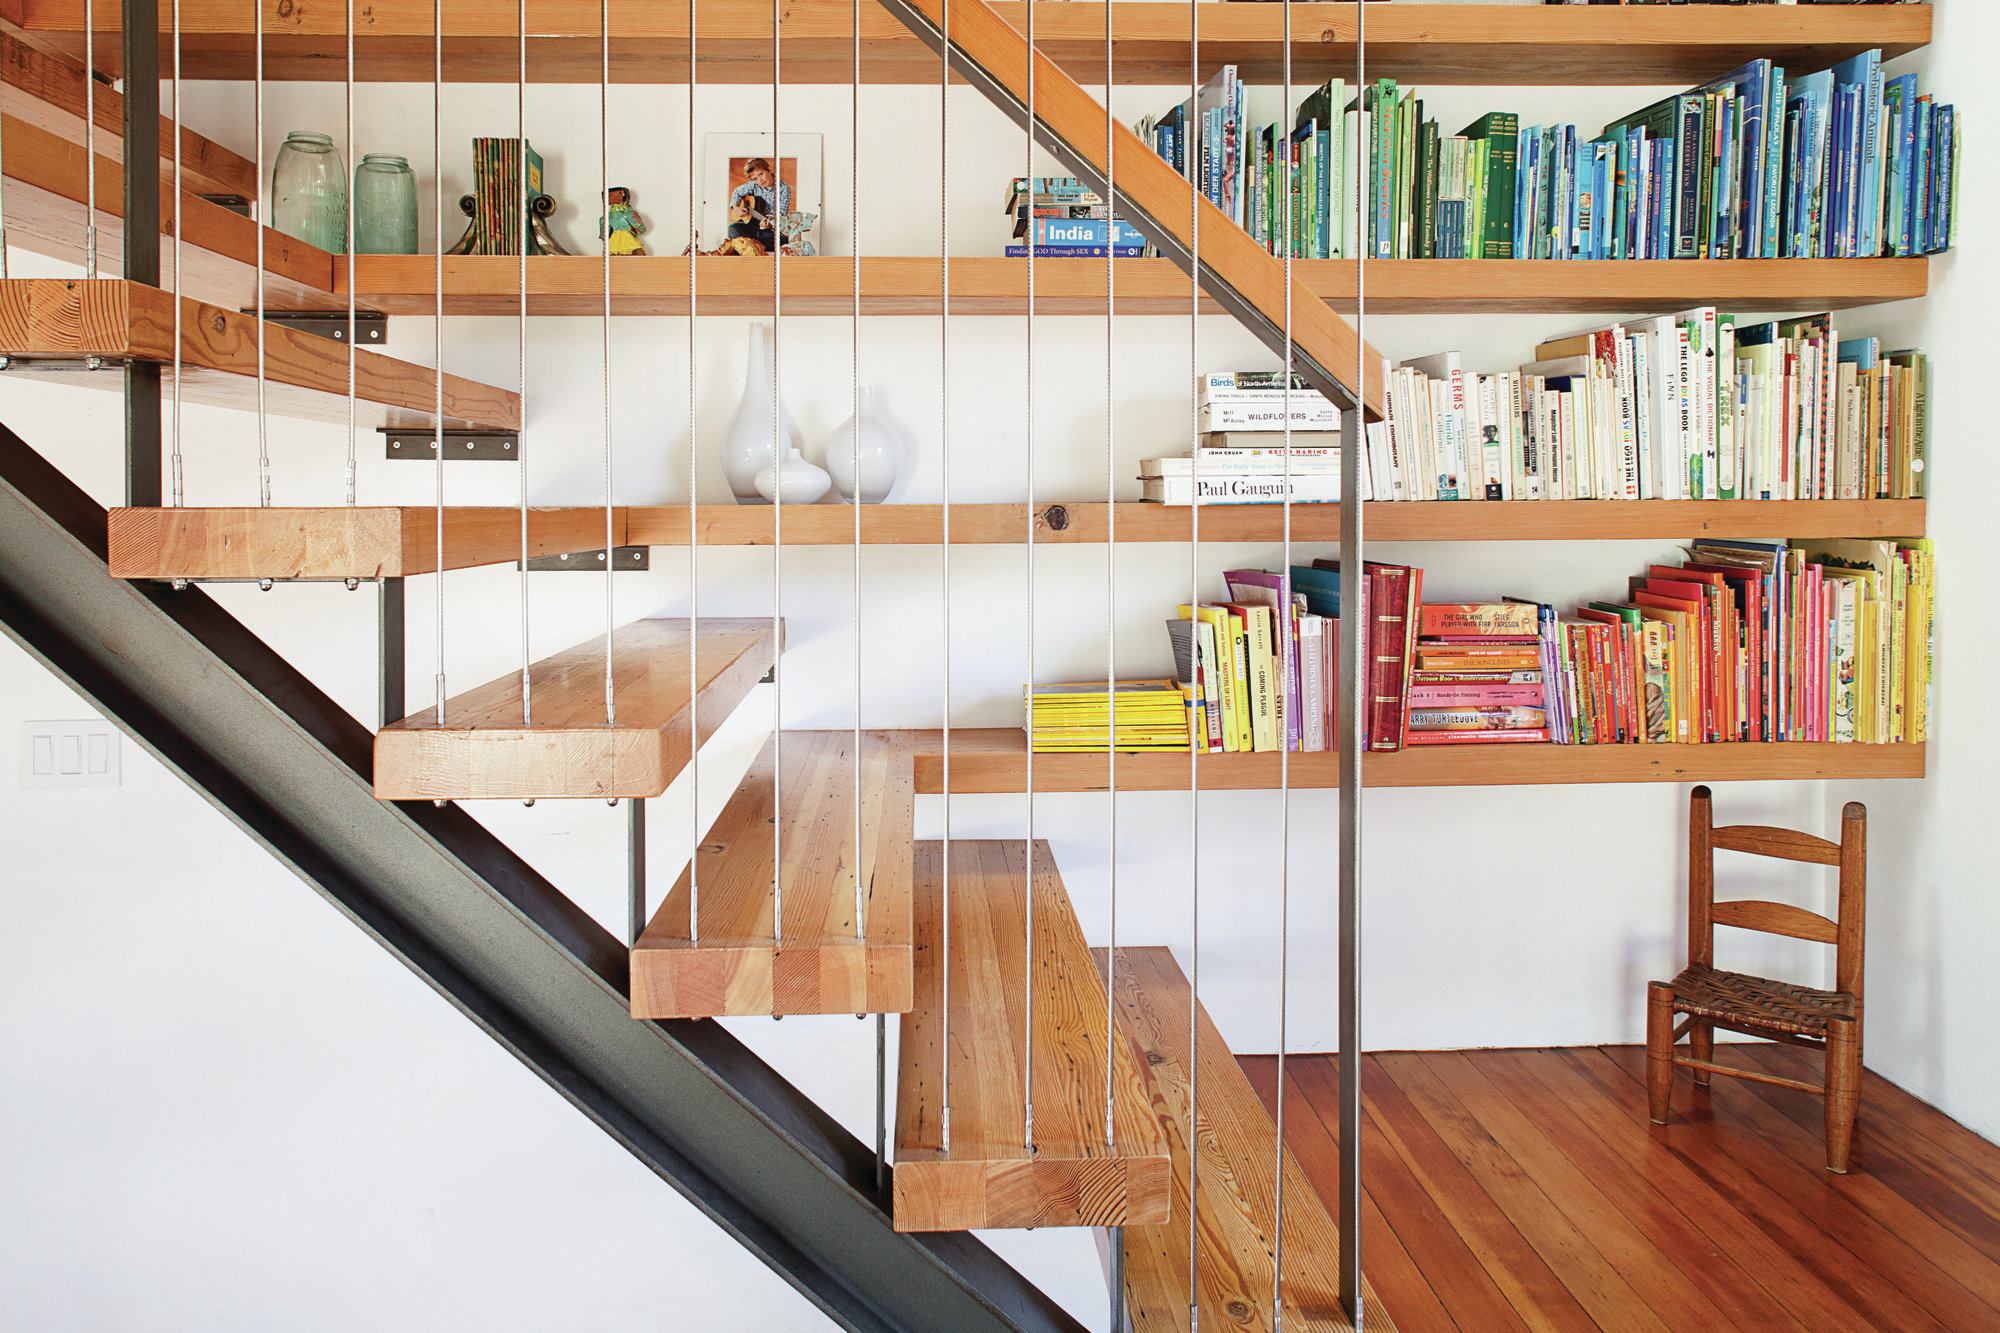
{"type": "Point", "coordinates": [1527, 1189]}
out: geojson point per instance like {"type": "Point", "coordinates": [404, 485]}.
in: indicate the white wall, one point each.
{"type": "Point", "coordinates": [1493, 916]}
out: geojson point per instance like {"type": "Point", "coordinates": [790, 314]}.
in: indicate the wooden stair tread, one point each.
{"type": "Point", "coordinates": [354, 542]}
{"type": "Point", "coordinates": [989, 1178]}
{"type": "Point", "coordinates": [483, 752]}
{"type": "Point", "coordinates": [993, 760]}
{"type": "Point", "coordinates": [733, 966]}
{"type": "Point", "coordinates": [46, 202]}
{"type": "Point", "coordinates": [1237, 1199]}
{"type": "Point", "coordinates": [65, 320]}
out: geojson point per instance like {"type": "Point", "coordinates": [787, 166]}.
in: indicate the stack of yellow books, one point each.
{"type": "Point", "coordinates": [1151, 715]}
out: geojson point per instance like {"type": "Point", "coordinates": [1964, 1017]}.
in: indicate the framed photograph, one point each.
{"type": "Point", "coordinates": [757, 194]}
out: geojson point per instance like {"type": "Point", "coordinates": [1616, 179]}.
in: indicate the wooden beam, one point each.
{"type": "Point", "coordinates": [65, 320]}
{"type": "Point", "coordinates": [1435, 43]}
{"type": "Point", "coordinates": [1089, 522]}
{"type": "Point", "coordinates": [359, 542]}
{"type": "Point", "coordinates": [483, 752]}
{"type": "Point", "coordinates": [1161, 201]}
{"type": "Point", "coordinates": [989, 1176]}
{"type": "Point", "coordinates": [993, 760]}
{"type": "Point", "coordinates": [47, 90]}
{"type": "Point", "coordinates": [913, 285]}
{"type": "Point", "coordinates": [735, 963]}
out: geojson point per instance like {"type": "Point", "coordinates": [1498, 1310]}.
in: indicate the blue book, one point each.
{"type": "Point", "coordinates": [1076, 251]}
{"type": "Point", "coordinates": [1788, 221]}
{"type": "Point", "coordinates": [1752, 87]}
{"type": "Point", "coordinates": [1526, 167]}
{"type": "Point", "coordinates": [1917, 215]}
{"type": "Point", "coordinates": [1045, 232]}
{"type": "Point", "coordinates": [1899, 97]}
{"type": "Point", "coordinates": [1774, 162]}
{"type": "Point", "coordinates": [1864, 73]}
{"type": "Point", "coordinates": [1947, 119]}
{"type": "Point", "coordinates": [1815, 92]}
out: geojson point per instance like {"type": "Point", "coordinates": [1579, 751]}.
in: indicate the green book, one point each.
{"type": "Point", "coordinates": [1500, 132]}
{"type": "Point", "coordinates": [1427, 190]}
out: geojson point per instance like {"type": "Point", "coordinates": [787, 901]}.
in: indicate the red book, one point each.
{"type": "Point", "coordinates": [1392, 594]}
{"type": "Point", "coordinates": [1513, 735]}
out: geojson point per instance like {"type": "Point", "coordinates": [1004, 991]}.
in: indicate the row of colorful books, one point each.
{"type": "Point", "coordinates": [1843, 163]}
{"type": "Point", "coordinates": [1245, 455]}
{"type": "Point", "coordinates": [1257, 671]}
{"type": "Point", "coordinates": [1074, 716]}
{"type": "Point", "coordinates": [1059, 217]}
{"type": "Point", "coordinates": [1683, 407]}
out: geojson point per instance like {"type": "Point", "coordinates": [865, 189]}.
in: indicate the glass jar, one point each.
{"type": "Point", "coordinates": [385, 206]}
{"type": "Point", "coordinates": [309, 192]}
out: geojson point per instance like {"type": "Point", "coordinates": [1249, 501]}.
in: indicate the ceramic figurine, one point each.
{"type": "Point", "coordinates": [792, 479]}
{"type": "Point", "coordinates": [625, 224]}
{"type": "Point", "coordinates": [797, 229]}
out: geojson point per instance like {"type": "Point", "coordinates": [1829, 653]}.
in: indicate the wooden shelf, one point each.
{"type": "Point", "coordinates": [483, 752]}
{"type": "Point", "coordinates": [61, 322]}
{"type": "Point", "coordinates": [907, 285]}
{"type": "Point", "coordinates": [1239, 1143]}
{"type": "Point", "coordinates": [733, 965]}
{"type": "Point", "coordinates": [46, 202]}
{"type": "Point", "coordinates": [992, 761]}
{"type": "Point", "coordinates": [1445, 43]}
{"type": "Point", "coordinates": [1383, 521]}
{"type": "Point", "coordinates": [989, 1176]}
{"type": "Point", "coordinates": [361, 542]}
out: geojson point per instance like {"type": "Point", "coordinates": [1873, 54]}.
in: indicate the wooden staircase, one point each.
{"type": "Point", "coordinates": [1236, 1200]}
{"type": "Point", "coordinates": [736, 963]}
{"type": "Point", "coordinates": [482, 752]}
{"type": "Point", "coordinates": [989, 1176]}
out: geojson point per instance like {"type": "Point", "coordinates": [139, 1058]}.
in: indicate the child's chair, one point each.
{"type": "Point", "coordinates": [1828, 1021]}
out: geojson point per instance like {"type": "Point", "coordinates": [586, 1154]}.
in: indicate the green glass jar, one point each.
{"type": "Point", "coordinates": [385, 206]}
{"type": "Point", "coordinates": [309, 192]}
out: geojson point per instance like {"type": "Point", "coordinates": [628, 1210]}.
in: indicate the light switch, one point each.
{"type": "Point", "coordinates": [76, 753]}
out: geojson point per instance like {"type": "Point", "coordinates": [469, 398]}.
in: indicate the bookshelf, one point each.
{"type": "Point", "coordinates": [1442, 43]}
{"type": "Point", "coordinates": [913, 285]}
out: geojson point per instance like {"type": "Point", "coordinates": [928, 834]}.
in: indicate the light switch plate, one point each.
{"type": "Point", "coordinates": [79, 753]}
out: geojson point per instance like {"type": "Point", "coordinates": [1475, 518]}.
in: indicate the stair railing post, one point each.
{"type": "Point", "coordinates": [141, 59]}
{"type": "Point", "coordinates": [389, 647]}
{"type": "Point", "coordinates": [635, 867]}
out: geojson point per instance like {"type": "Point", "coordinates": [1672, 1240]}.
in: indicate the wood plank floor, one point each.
{"type": "Point", "coordinates": [1527, 1189]}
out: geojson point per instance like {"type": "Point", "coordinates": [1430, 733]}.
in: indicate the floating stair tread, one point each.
{"type": "Point", "coordinates": [483, 752]}
{"type": "Point", "coordinates": [994, 760]}
{"type": "Point", "coordinates": [1433, 43]}
{"type": "Point", "coordinates": [352, 542]}
{"type": "Point", "coordinates": [65, 320]}
{"type": "Point", "coordinates": [46, 202]}
{"type": "Point", "coordinates": [47, 89]}
{"type": "Point", "coordinates": [1090, 522]}
{"type": "Point", "coordinates": [733, 966]}
{"type": "Point", "coordinates": [994, 285]}
{"type": "Point", "coordinates": [1236, 1200]}
{"type": "Point", "coordinates": [989, 1178]}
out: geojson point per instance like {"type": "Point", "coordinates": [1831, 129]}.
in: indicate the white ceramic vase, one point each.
{"type": "Point", "coordinates": [747, 447]}
{"type": "Point", "coordinates": [884, 446]}
{"type": "Point", "coordinates": [793, 479]}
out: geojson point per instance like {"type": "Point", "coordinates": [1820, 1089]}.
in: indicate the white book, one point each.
{"type": "Point", "coordinates": [1243, 490]}
{"type": "Point", "coordinates": [1702, 346]}
{"type": "Point", "coordinates": [1454, 452]}
{"type": "Point", "coordinates": [1245, 463]}
{"type": "Point", "coordinates": [1729, 474]}
{"type": "Point", "coordinates": [1240, 415]}
{"type": "Point", "coordinates": [1642, 413]}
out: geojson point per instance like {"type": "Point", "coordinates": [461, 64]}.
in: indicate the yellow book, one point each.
{"type": "Point", "coordinates": [1265, 719]}
{"type": "Point", "coordinates": [1217, 621]}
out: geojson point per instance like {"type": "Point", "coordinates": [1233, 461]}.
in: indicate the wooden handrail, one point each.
{"type": "Point", "coordinates": [1247, 280]}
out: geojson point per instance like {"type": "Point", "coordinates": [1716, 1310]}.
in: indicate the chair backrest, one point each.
{"type": "Point", "coordinates": [1849, 855]}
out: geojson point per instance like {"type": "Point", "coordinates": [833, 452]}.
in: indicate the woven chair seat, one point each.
{"type": "Point", "coordinates": [1738, 999]}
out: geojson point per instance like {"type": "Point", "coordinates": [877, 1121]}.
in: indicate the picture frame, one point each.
{"type": "Point", "coordinates": [726, 157]}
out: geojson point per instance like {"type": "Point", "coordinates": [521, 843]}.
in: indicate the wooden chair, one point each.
{"type": "Point", "coordinates": [1707, 998]}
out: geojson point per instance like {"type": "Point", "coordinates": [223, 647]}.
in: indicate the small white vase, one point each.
{"type": "Point", "coordinates": [794, 480]}
{"type": "Point", "coordinates": [884, 445]}
{"type": "Point", "coordinates": [747, 447]}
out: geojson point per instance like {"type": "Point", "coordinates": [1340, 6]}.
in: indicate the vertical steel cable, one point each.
{"type": "Point", "coordinates": [780, 450]}
{"type": "Point", "coordinates": [176, 465]}
{"type": "Point", "coordinates": [348, 109]}
{"type": "Point", "coordinates": [604, 178]}
{"type": "Point", "coordinates": [1028, 412]}
{"type": "Point", "coordinates": [1194, 599]}
{"type": "Point", "coordinates": [944, 542]}
{"type": "Point", "coordinates": [521, 359]}
{"type": "Point", "coordinates": [90, 143]}
{"type": "Point", "coordinates": [1110, 602]}
{"type": "Point", "coordinates": [694, 536]}
{"type": "Point", "coordinates": [1350, 1018]}
{"type": "Point", "coordinates": [1289, 656]}
{"type": "Point", "coordinates": [437, 333]}
{"type": "Point", "coordinates": [854, 443]}
{"type": "Point", "coordinates": [263, 224]}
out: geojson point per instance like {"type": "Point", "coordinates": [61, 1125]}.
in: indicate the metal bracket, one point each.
{"type": "Point", "coordinates": [476, 446]}
{"type": "Point", "coordinates": [370, 326]}
{"type": "Point", "coordinates": [79, 364]}
{"type": "Point", "coordinates": [591, 562]}
{"type": "Point", "coordinates": [235, 203]}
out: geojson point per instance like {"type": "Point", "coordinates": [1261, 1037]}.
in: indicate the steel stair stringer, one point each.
{"type": "Point", "coordinates": [286, 764]}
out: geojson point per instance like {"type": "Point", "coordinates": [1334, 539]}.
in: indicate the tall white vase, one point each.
{"type": "Point", "coordinates": [884, 448]}
{"type": "Point", "coordinates": [747, 447]}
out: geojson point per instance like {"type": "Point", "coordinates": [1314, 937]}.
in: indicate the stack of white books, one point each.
{"type": "Point", "coordinates": [1244, 455]}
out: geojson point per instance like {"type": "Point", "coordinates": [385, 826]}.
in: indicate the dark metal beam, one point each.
{"type": "Point", "coordinates": [141, 56]}
{"type": "Point", "coordinates": [290, 767]}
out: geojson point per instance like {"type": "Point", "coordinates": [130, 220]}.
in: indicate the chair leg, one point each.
{"type": "Point", "coordinates": [1701, 1045]}
{"type": "Point", "coordinates": [1843, 1090]}
{"type": "Point", "coordinates": [1659, 1049]}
